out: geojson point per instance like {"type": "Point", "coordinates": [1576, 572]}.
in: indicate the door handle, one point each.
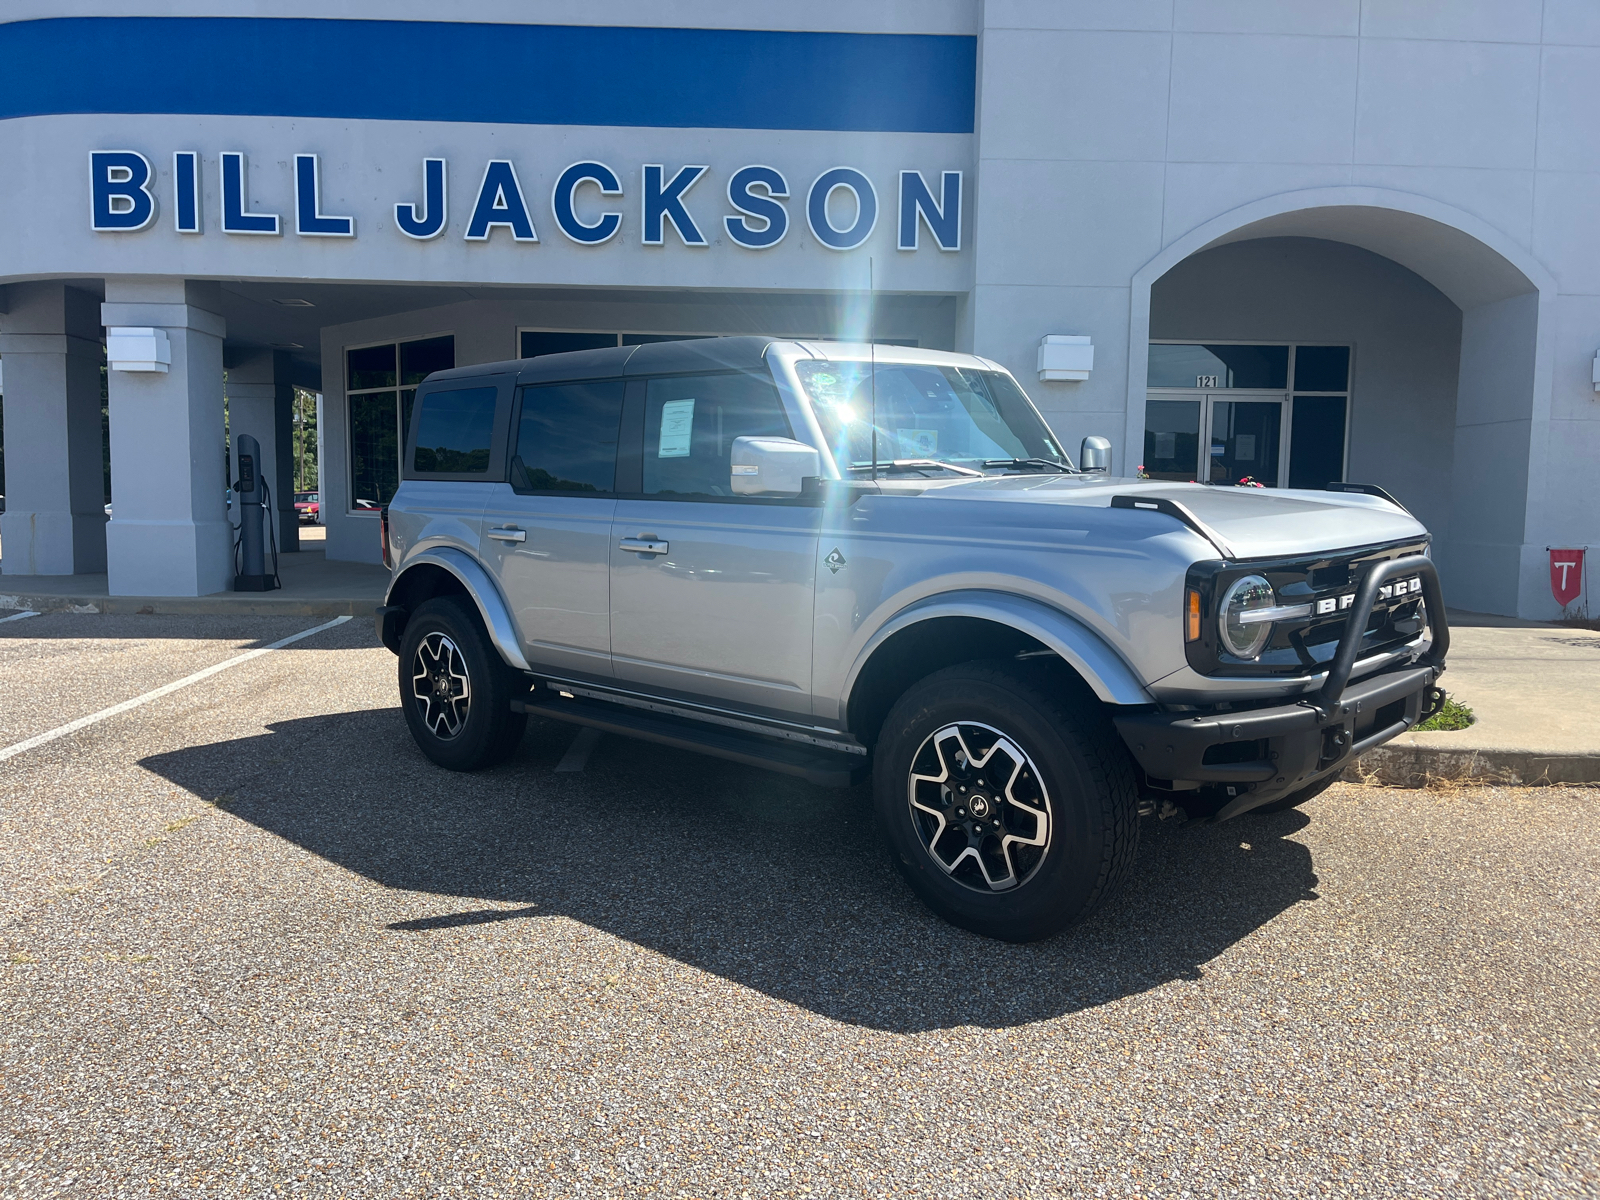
{"type": "Point", "coordinates": [644, 545]}
{"type": "Point", "coordinates": [509, 533]}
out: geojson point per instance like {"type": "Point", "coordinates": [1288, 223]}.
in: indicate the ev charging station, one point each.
{"type": "Point", "coordinates": [254, 496]}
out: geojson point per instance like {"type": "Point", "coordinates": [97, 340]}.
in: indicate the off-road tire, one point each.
{"type": "Point", "coordinates": [1081, 764]}
{"type": "Point", "coordinates": [488, 730]}
{"type": "Point", "coordinates": [1296, 799]}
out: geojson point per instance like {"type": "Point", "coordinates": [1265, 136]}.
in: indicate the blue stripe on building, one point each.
{"type": "Point", "coordinates": [515, 74]}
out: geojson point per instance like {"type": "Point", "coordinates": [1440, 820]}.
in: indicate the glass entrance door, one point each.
{"type": "Point", "coordinates": [1246, 437]}
{"type": "Point", "coordinates": [1221, 437]}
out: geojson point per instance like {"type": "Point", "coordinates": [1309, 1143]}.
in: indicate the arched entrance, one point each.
{"type": "Point", "coordinates": [1378, 336]}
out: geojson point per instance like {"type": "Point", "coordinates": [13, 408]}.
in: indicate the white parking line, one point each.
{"type": "Point", "coordinates": [577, 755]}
{"type": "Point", "coordinates": [166, 690]}
{"type": "Point", "coordinates": [17, 617]}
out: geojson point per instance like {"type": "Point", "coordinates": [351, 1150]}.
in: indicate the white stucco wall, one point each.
{"type": "Point", "coordinates": [1108, 133]}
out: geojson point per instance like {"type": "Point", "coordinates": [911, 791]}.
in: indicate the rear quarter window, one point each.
{"type": "Point", "coordinates": [455, 431]}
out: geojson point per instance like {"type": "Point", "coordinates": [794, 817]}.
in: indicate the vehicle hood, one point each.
{"type": "Point", "coordinates": [1253, 522]}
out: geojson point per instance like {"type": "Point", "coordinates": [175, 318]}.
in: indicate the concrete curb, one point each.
{"type": "Point", "coordinates": [1418, 766]}
{"type": "Point", "coordinates": [238, 604]}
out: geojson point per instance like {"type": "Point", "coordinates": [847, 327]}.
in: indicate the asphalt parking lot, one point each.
{"type": "Point", "coordinates": [252, 943]}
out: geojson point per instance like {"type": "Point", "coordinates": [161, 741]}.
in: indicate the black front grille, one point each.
{"type": "Point", "coordinates": [1303, 646]}
{"type": "Point", "coordinates": [1333, 575]}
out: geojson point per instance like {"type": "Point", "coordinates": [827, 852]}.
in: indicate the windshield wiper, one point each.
{"type": "Point", "coordinates": [1029, 462]}
{"type": "Point", "coordinates": [918, 465]}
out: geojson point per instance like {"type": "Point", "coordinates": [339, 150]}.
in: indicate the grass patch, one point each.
{"type": "Point", "coordinates": [1453, 715]}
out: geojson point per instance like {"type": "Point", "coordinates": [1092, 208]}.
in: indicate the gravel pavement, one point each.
{"type": "Point", "coordinates": [253, 944]}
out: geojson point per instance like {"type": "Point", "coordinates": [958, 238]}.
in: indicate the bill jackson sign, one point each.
{"type": "Point", "coordinates": [586, 203]}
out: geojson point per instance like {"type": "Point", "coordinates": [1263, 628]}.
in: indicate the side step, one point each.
{"type": "Point", "coordinates": [826, 768]}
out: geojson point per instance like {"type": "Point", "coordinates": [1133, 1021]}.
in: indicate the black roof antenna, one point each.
{"type": "Point", "coordinates": [872, 362]}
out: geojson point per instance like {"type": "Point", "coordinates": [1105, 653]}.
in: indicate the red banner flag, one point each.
{"type": "Point", "coordinates": [1566, 575]}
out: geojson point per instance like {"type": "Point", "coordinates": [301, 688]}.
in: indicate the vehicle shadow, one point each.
{"type": "Point", "coordinates": [761, 879]}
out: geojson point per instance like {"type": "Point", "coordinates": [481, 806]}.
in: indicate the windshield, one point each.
{"type": "Point", "coordinates": [975, 420]}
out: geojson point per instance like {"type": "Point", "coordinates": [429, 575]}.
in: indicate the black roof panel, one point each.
{"type": "Point", "coordinates": [654, 358]}
{"type": "Point", "coordinates": [701, 354]}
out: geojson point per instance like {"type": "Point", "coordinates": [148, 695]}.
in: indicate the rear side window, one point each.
{"type": "Point", "coordinates": [455, 431]}
{"type": "Point", "coordinates": [690, 422]}
{"type": "Point", "coordinates": [567, 438]}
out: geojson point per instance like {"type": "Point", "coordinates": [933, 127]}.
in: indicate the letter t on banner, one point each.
{"type": "Point", "coordinates": [1566, 575]}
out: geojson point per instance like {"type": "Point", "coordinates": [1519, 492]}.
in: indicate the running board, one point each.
{"type": "Point", "coordinates": [826, 768]}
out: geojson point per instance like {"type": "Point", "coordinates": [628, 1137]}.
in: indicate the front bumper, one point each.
{"type": "Point", "coordinates": [1266, 753]}
{"type": "Point", "coordinates": [1259, 755]}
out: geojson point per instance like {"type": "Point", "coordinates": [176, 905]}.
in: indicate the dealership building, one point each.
{"type": "Point", "coordinates": [1296, 241]}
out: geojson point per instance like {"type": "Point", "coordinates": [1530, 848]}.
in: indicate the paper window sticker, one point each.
{"type": "Point", "coordinates": [917, 443]}
{"type": "Point", "coordinates": [1244, 446]}
{"type": "Point", "coordinates": [1166, 445]}
{"type": "Point", "coordinates": [677, 429]}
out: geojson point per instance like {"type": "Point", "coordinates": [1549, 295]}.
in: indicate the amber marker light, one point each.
{"type": "Point", "coordinates": [1192, 626]}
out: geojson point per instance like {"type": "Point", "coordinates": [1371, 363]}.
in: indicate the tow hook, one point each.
{"type": "Point", "coordinates": [1432, 704]}
{"type": "Point", "coordinates": [1335, 743]}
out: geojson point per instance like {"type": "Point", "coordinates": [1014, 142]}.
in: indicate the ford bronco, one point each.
{"type": "Point", "coordinates": [841, 561]}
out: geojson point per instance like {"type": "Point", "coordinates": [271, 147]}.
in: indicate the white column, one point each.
{"type": "Point", "coordinates": [261, 403]}
{"type": "Point", "coordinates": [1485, 558]}
{"type": "Point", "coordinates": [55, 519]}
{"type": "Point", "coordinates": [169, 533]}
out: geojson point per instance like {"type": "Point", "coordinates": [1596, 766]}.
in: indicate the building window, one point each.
{"type": "Point", "coordinates": [1320, 419]}
{"type": "Point", "coordinates": [380, 384]}
{"type": "Point", "coordinates": [1219, 366]}
{"type": "Point", "coordinates": [1226, 412]}
{"type": "Point", "coordinates": [532, 343]}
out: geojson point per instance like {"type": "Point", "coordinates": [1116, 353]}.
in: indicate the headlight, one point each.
{"type": "Point", "coordinates": [1241, 637]}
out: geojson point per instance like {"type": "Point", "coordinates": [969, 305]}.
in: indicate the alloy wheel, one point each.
{"type": "Point", "coordinates": [440, 685]}
{"type": "Point", "coordinates": [979, 807]}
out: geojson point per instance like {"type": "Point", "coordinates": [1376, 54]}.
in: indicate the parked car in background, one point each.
{"type": "Point", "coordinates": [309, 506]}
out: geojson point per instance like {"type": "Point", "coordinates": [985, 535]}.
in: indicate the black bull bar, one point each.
{"type": "Point", "coordinates": [1315, 735]}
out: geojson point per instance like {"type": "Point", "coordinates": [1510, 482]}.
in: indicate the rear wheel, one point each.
{"type": "Point", "coordinates": [1009, 810]}
{"type": "Point", "coordinates": [455, 689]}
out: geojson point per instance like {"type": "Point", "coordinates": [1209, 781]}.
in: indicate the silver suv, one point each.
{"type": "Point", "coordinates": [835, 560]}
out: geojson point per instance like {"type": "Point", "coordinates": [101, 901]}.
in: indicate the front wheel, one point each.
{"type": "Point", "coordinates": [455, 689]}
{"type": "Point", "coordinates": [1010, 811]}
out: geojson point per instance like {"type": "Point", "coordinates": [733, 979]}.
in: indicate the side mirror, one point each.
{"type": "Point", "coordinates": [771, 466]}
{"type": "Point", "coordinates": [1095, 455]}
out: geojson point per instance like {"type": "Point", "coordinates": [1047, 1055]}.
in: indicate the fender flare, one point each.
{"type": "Point", "coordinates": [485, 594]}
{"type": "Point", "coordinates": [1102, 668]}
